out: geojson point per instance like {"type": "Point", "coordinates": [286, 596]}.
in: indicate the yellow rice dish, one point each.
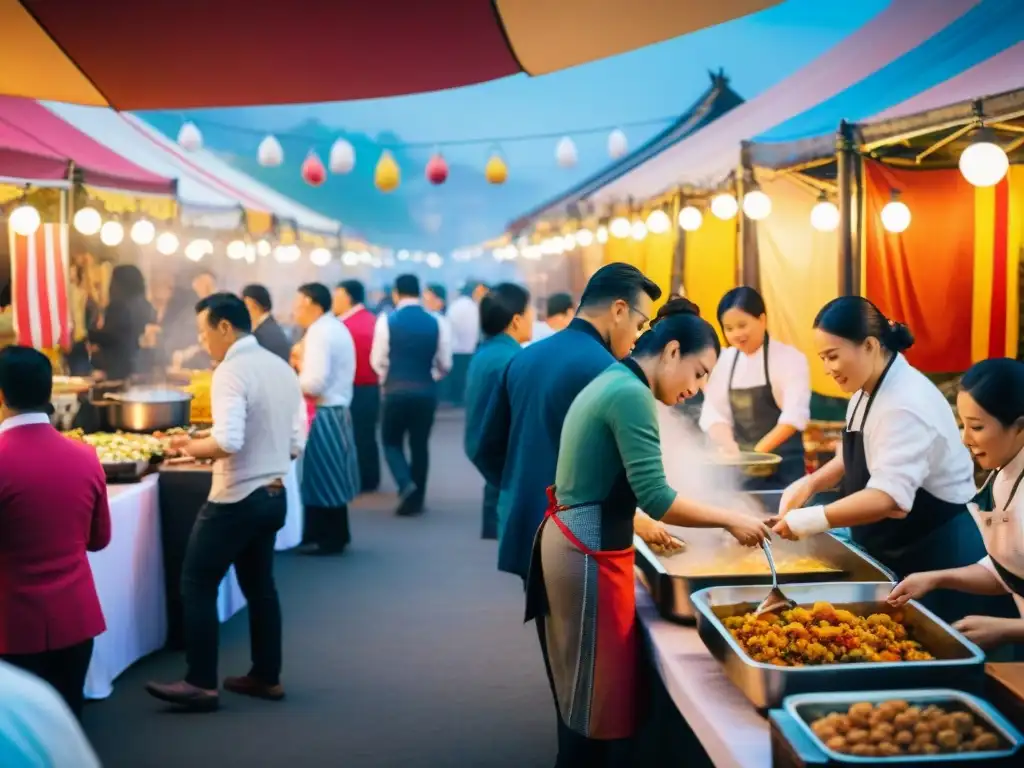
{"type": "Point", "coordinates": [199, 388]}
{"type": "Point", "coordinates": [754, 563]}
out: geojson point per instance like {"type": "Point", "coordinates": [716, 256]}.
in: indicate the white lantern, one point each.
{"type": "Point", "coordinates": [287, 254]}
{"type": "Point", "coordinates": [195, 250]}
{"type": "Point", "coordinates": [620, 227]}
{"type": "Point", "coordinates": [984, 163]}
{"type": "Point", "coordinates": [434, 260]}
{"type": "Point", "coordinates": [87, 221]}
{"type": "Point", "coordinates": [690, 218]}
{"type": "Point", "coordinates": [190, 138]}
{"type": "Point", "coordinates": [320, 257]}
{"type": "Point", "coordinates": [584, 238]}
{"type": "Point", "coordinates": [167, 243]}
{"type": "Point", "coordinates": [658, 222]}
{"type": "Point", "coordinates": [270, 154]}
{"type": "Point", "coordinates": [24, 220]}
{"type": "Point", "coordinates": [757, 205]}
{"type": "Point", "coordinates": [618, 145]}
{"type": "Point", "coordinates": [895, 216]}
{"type": "Point", "coordinates": [403, 255]}
{"type": "Point", "coordinates": [724, 206]}
{"type": "Point", "coordinates": [569, 242]}
{"type": "Point", "coordinates": [143, 232]}
{"type": "Point", "coordinates": [342, 158]}
{"type": "Point", "coordinates": [825, 216]}
{"type": "Point", "coordinates": [350, 258]}
{"type": "Point", "coordinates": [250, 254]}
{"type": "Point", "coordinates": [263, 248]}
{"type": "Point", "coordinates": [111, 233]}
{"type": "Point", "coordinates": [638, 230]}
{"type": "Point", "coordinates": [602, 235]}
{"type": "Point", "coordinates": [565, 152]}
{"type": "Point", "coordinates": [236, 250]}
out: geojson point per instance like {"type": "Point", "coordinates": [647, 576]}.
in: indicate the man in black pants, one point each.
{"type": "Point", "coordinates": [411, 351]}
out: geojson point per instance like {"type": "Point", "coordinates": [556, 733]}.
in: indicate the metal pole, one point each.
{"type": "Point", "coordinates": [679, 253]}
{"type": "Point", "coordinates": [849, 273]}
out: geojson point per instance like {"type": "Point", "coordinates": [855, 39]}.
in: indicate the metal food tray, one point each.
{"type": "Point", "coordinates": [957, 661]}
{"type": "Point", "coordinates": [806, 708]}
{"type": "Point", "coordinates": [125, 471]}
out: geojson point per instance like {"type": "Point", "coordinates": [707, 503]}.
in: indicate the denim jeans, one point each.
{"type": "Point", "coordinates": [240, 534]}
{"type": "Point", "coordinates": [412, 416]}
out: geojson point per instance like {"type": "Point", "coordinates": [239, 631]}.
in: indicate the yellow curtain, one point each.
{"type": "Point", "coordinates": [160, 208]}
{"type": "Point", "coordinates": [653, 256]}
{"type": "Point", "coordinates": [799, 271]}
{"type": "Point", "coordinates": [709, 264]}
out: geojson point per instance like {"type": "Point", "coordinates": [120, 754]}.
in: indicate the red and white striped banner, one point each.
{"type": "Point", "coordinates": [39, 287]}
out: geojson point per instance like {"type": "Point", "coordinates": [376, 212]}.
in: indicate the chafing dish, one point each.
{"type": "Point", "coordinates": [957, 661]}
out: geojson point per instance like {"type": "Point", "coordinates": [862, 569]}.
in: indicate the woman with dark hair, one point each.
{"type": "Point", "coordinates": [991, 407]}
{"type": "Point", "coordinates": [905, 478]}
{"type": "Point", "coordinates": [610, 463]}
{"type": "Point", "coordinates": [755, 401]}
{"type": "Point", "coordinates": [123, 324]}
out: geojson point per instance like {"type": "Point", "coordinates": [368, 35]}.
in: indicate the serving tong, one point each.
{"type": "Point", "coordinates": [775, 601]}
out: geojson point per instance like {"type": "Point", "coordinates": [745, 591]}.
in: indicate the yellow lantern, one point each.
{"type": "Point", "coordinates": [387, 175]}
{"type": "Point", "coordinates": [496, 172]}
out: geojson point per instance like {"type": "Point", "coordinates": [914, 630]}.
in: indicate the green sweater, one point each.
{"type": "Point", "coordinates": [612, 426]}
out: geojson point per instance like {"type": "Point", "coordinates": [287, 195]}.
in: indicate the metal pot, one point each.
{"type": "Point", "coordinates": [146, 410]}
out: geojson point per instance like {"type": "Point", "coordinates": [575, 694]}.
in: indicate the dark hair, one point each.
{"type": "Point", "coordinates": [559, 304]}
{"type": "Point", "coordinates": [26, 379]}
{"type": "Point", "coordinates": [997, 385]}
{"type": "Point", "coordinates": [745, 299]}
{"type": "Point", "coordinates": [499, 305]}
{"type": "Point", "coordinates": [259, 294]}
{"type": "Point", "coordinates": [225, 306]}
{"type": "Point", "coordinates": [616, 281]}
{"type": "Point", "coordinates": [355, 290]}
{"type": "Point", "coordinates": [126, 283]}
{"type": "Point", "coordinates": [407, 286]}
{"type": "Point", "coordinates": [678, 320]}
{"type": "Point", "coordinates": [438, 290]}
{"type": "Point", "coordinates": [318, 293]}
{"type": "Point", "coordinates": [856, 319]}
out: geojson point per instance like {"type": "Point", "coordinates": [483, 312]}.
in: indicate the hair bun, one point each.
{"type": "Point", "coordinates": [676, 306]}
{"type": "Point", "coordinates": [898, 337]}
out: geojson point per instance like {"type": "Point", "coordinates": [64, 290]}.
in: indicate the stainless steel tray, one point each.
{"type": "Point", "coordinates": [957, 661]}
{"type": "Point", "coordinates": [806, 708]}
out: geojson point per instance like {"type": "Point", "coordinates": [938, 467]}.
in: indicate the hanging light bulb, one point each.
{"type": "Point", "coordinates": [270, 153]}
{"type": "Point", "coordinates": [25, 220]}
{"type": "Point", "coordinates": [287, 254]}
{"type": "Point", "coordinates": [658, 222]}
{"type": "Point", "coordinates": [602, 234]}
{"type": "Point", "coordinates": [143, 232]}
{"type": "Point", "coordinates": [584, 238]}
{"type": "Point", "coordinates": [87, 221]}
{"type": "Point", "coordinates": [620, 227]}
{"type": "Point", "coordinates": [434, 260]}
{"type": "Point", "coordinates": [690, 218]}
{"type": "Point", "coordinates": [724, 206]}
{"type": "Point", "coordinates": [111, 233]}
{"type": "Point", "coordinates": [320, 257]}
{"type": "Point", "coordinates": [984, 163]}
{"type": "Point", "coordinates": [824, 215]}
{"type": "Point", "coordinates": [618, 145]}
{"type": "Point", "coordinates": [236, 250]}
{"type": "Point", "coordinates": [895, 215]}
{"type": "Point", "coordinates": [190, 138]}
{"type": "Point", "coordinates": [638, 230]}
{"type": "Point", "coordinates": [565, 152]}
{"type": "Point", "coordinates": [195, 250]}
{"type": "Point", "coordinates": [167, 243]}
{"type": "Point", "coordinates": [263, 248]}
{"type": "Point", "coordinates": [757, 205]}
{"type": "Point", "coordinates": [342, 158]}
{"type": "Point", "coordinates": [350, 258]}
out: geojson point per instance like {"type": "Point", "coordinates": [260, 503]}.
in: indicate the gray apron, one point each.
{"type": "Point", "coordinates": [330, 467]}
{"type": "Point", "coordinates": [986, 503]}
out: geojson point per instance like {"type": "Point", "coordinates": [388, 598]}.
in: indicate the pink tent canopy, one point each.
{"type": "Point", "coordinates": [36, 145]}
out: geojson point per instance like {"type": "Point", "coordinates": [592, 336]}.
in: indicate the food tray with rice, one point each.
{"type": "Point", "coordinates": [126, 456]}
{"type": "Point", "coordinates": [842, 637]}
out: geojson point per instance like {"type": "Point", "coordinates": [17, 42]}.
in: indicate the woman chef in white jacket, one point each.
{"type": "Point", "coordinates": [905, 478]}
{"type": "Point", "coordinates": [991, 406]}
{"type": "Point", "coordinates": [758, 397]}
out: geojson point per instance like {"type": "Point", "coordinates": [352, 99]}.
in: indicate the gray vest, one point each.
{"type": "Point", "coordinates": [413, 338]}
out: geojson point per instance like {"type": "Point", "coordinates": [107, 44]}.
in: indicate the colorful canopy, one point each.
{"type": "Point", "coordinates": [162, 54]}
{"type": "Point", "coordinates": [37, 145]}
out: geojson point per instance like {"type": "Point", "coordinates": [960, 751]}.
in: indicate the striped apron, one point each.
{"type": "Point", "coordinates": [330, 468]}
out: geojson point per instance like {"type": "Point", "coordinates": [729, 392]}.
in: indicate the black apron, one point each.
{"type": "Point", "coordinates": [934, 536]}
{"type": "Point", "coordinates": [986, 503]}
{"type": "Point", "coordinates": [754, 414]}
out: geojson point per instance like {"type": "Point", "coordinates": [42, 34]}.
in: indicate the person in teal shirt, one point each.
{"type": "Point", "coordinates": [506, 322]}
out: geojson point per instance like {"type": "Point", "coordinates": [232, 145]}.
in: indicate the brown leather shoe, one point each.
{"type": "Point", "coordinates": [250, 686]}
{"type": "Point", "coordinates": [185, 695]}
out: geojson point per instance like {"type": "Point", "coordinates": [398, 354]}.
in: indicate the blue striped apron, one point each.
{"type": "Point", "coordinates": [330, 467]}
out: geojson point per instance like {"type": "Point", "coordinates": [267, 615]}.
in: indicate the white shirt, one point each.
{"type": "Point", "coordinates": [464, 318]}
{"type": "Point", "coordinates": [328, 362]}
{"type": "Point", "coordinates": [911, 439]}
{"type": "Point", "coordinates": [37, 730]}
{"type": "Point", "coordinates": [1003, 531]}
{"type": "Point", "coordinates": [790, 381]}
{"type": "Point", "coordinates": [258, 417]}
{"type": "Point", "coordinates": [380, 351]}
{"type": "Point", "coordinates": [541, 330]}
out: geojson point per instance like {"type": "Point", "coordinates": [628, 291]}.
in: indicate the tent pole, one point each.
{"type": "Point", "coordinates": [679, 254]}
{"type": "Point", "coordinates": [750, 271]}
{"type": "Point", "coordinates": [849, 278]}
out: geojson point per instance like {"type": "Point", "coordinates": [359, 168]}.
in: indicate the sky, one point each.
{"type": "Point", "coordinates": [652, 84]}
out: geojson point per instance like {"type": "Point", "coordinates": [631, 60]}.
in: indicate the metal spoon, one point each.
{"type": "Point", "coordinates": [776, 601]}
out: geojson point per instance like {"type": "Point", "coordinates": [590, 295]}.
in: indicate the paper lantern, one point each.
{"type": "Point", "coordinates": [638, 230]}
{"type": "Point", "coordinates": [111, 233]}
{"type": "Point", "coordinates": [658, 222]}
{"type": "Point", "coordinates": [565, 152]}
{"type": "Point", "coordinates": [620, 227]}
{"type": "Point", "coordinates": [618, 145]}
{"type": "Point", "coordinates": [895, 216]}
{"type": "Point", "coordinates": [190, 138]}
{"type": "Point", "coordinates": [984, 163]}
{"type": "Point", "coordinates": [236, 250]}
{"type": "Point", "coordinates": [167, 243]}
{"type": "Point", "coordinates": [690, 218]}
{"type": "Point", "coordinates": [24, 220]}
{"type": "Point", "coordinates": [387, 176]}
{"type": "Point", "coordinates": [270, 153]}
{"type": "Point", "coordinates": [757, 205]}
{"type": "Point", "coordinates": [437, 169]}
{"type": "Point", "coordinates": [313, 171]}
{"type": "Point", "coordinates": [584, 238]}
{"type": "Point", "coordinates": [143, 232]}
{"type": "Point", "coordinates": [87, 221]}
{"type": "Point", "coordinates": [320, 257]}
{"type": "Point", "coordinates": [343, 157]}
{"type": "Point", "coordinates": [724, 206]}
{"type": "Point", "coordinates": [601, 235]}
{"type": "Point", "coordinates": [825, 216]}
{"type": "Point", "coordinates": [496, 172]}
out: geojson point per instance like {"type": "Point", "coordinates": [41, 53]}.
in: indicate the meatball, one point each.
{"type": "Point", "coordinates": [864, 750]}
{"type": "Point", "coordinates": [929, 749]}
{"type": "Point", "coordinates": [897, 705]}
{"type": "Point", "coordinates": [905, 721]}
{"type": "Point", "coordinates": [824, 730]}
{"type": "Point", "coordinates": [861, 708]}
{"type": "Point", "coordinates": [857, 736]}
{"type": "Point", "coordinates": [987, 742]}
{"type": "Point", "coordinates": [888, 749]}
{"type": "Point", "coordinates": [881, 732]}
{"type": "Point", "coordinates": [948, 739]}
{"type": "Point", "coordinates": [837, 744]}
{"type": "Point", "coordinates": [963, 722]}
{"type": "Point", "coordinates": [925, 728]}
{"type": "Point", "coordinates": [904, 738]}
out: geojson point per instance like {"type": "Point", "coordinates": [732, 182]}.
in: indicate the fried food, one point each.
{"type": "Point", "coordinates": [120, 447]}
{"type": "Point", "coordinates": [754, 563]}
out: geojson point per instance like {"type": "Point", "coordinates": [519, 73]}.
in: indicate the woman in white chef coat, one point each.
{"type": "Point", "coordinates": [758, 397]}
{"type": "Point", "coordinates": [905, 478]}
{"type": "Point", "coordinates": [991, 406]}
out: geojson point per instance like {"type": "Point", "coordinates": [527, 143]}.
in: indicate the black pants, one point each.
{"type": "Point", "coordinates": [412, 416]}
{"type": "Point", "coordinates": [326, 526]}
{"type": "Point", "coordinates": [64, 669]}
{"type": "Point", "coordinates": [454, 384]}
{"type": "Point", "coordinates": [240, 534]}
{"type": "Point", "coordinates": [489, 529]}
{"type": "Point", "coordinates": [365, 412]}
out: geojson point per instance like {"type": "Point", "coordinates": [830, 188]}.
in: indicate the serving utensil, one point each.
{"type": "Point", "coordinates": [776, 600]}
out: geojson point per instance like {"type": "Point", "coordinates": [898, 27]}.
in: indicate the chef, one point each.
{"type": "Point", "coordinates": [991, 407]}
{"type": "Point", "coordinates": [758, 397]}
{"type": "Point", "coordinates": [905, 478]}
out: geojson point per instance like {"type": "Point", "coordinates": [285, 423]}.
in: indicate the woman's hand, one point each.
{"type": "Point", "coordinates": [914, 587]}
{"type": "Point", "coordinates": [651, 531]}
{"type": "Point", "coordinates": [989, 631]}
{"type": "Point", "coordinates": [747, 530]}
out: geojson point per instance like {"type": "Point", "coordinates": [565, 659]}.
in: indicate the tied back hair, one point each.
{"type": "Point", "coordinates": [678, 320]}
{"type": "Point", "coordinates": [997, 386]}
{"type": "Point", "coordinates": [856, 319]}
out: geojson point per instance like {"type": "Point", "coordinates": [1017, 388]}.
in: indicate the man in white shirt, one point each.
{"type": "Point", "coordinates": [411, 351]}
{"type": "Point", "coordinates": [463, 317]}
{"type": "Point", "coordinates": [330, 466]}
{"type": "Point", "coordinates": [258, 428]}
{"type": "Point", "coordinates": [561, 309]}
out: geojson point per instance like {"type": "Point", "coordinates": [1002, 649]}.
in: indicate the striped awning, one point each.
{"type": "Point", "coordinates": [177, 54]}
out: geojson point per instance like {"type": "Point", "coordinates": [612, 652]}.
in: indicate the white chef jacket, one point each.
{"type": "Point", "coordinates": [790, 378]}
{"type": "Point", "coordinates": [464, 320]}
{"type": "Point", "coordinates": [911, 439]}
{"type": "Point", "coordinates": [1003, 531]}
{"type": "Point", "coordinates": [328, 362]}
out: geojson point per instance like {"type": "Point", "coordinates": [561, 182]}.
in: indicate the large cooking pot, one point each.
{"type": "Point", "coordinates": [145, 410]}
